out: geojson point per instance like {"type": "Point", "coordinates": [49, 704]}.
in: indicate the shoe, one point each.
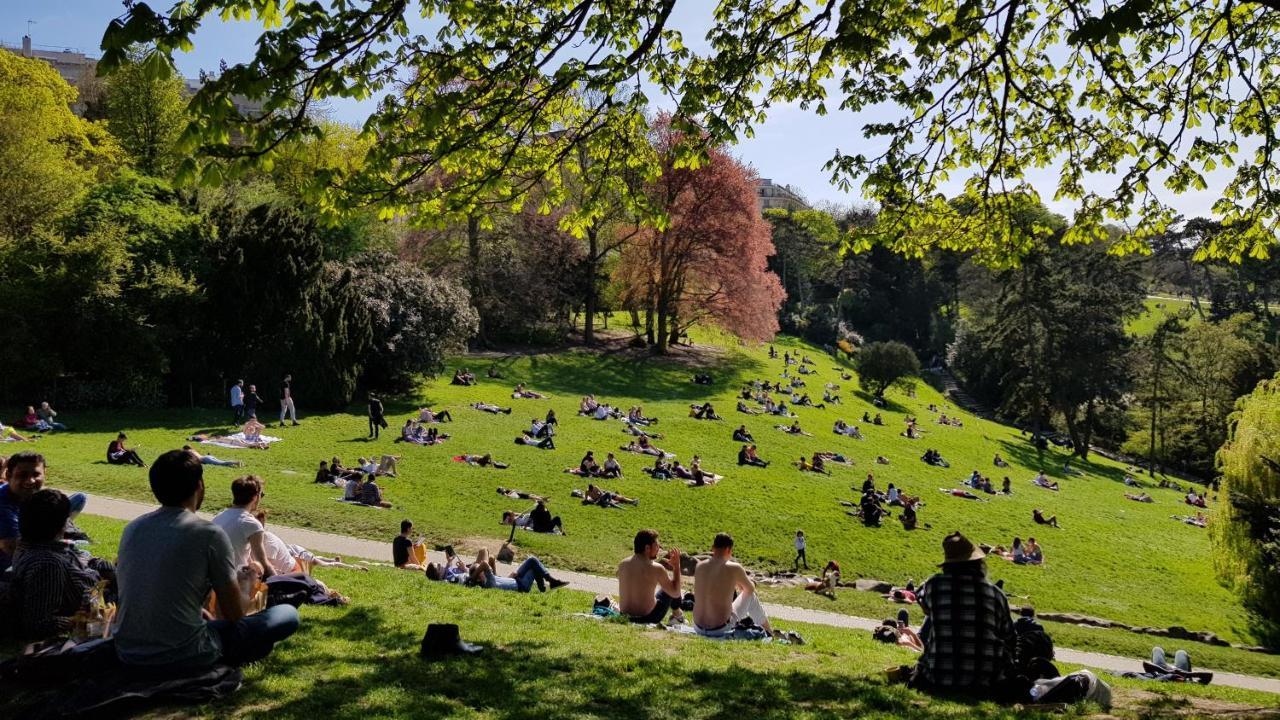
{"type": "Point", "coordinates": [296, 423]}
{"type": "Point", "coordinates": [557, 583]}
{"type": "Point", "coordinates": [904, 618]}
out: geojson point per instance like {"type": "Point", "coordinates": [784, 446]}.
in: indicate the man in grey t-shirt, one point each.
{"type": "Point", "coordinates": [169, 561]}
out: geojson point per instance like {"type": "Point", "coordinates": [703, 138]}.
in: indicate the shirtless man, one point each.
{"type": "Point", "coordinates": [715, 580]}
{"type": "Point", "coordinates": [646, 590]}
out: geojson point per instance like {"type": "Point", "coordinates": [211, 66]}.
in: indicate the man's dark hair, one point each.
{"type": "Point", "coordinates": [245, 488]}
{"type": "Point", "coordinates": [723, 541]}
{"type": "Point", "coordinates": [175, 476]}
{"type": "Point", "coordinates": [121, 436]}
{"type": "Point", "coordinates": [405, 525]}
{"type": "Point", "coordinates": [26, 457]}
{"type": "Point", "coordinates": [43, 516]}
{"type": "Point", "coordinates": [433, 572]}
{"type": "Point", "coordinates": [644, 539]}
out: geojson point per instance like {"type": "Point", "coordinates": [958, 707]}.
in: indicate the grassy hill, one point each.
{"type": "Point", "coordinates": [1112, 558]}
{"type": "Point", "coordinates": [359, 662]}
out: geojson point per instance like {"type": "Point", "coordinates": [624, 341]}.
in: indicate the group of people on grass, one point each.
{"type": "Point", "coordinates": [245, 401]}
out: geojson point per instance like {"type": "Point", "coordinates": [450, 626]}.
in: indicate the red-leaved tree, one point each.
{"type": "Point", "coordinates": [710, 261]}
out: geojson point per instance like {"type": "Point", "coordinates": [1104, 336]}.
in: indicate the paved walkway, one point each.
{"type": "Point", "coordinates": [331, 544]}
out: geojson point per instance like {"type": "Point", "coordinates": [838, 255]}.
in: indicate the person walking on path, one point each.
{"type": "Point", "coordinates": [377, 420]}
{"type": "Point", "coordinates": [286, 401]}
{"type": "Point", "coordinates": [237, 401]}
{"type": "Point", "coordinates": [800, 551]}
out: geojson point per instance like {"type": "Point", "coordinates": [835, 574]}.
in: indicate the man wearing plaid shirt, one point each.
{"type": "Point", "coordinates": [968, 635]}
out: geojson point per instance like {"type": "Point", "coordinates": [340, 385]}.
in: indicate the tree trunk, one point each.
{"type": "Point", "coordinates": [473, 272]}
{"type": "Point", "coordinates": [1155, 411]}
{"type": "Point", "coordinates": [661, 333]}
{"type": "Point", "coordinates": [588, 328]}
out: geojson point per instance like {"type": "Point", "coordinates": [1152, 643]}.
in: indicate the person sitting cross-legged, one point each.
{"type": "Point", "coordinates": [51, 579]}
{"type": "Point", "coordinates": [169, 559]}
{"type": "Point", "coordinates": [742, 435]}
{"type": "Point", "coordinates": [968, 636]}
{"type": "Point", "coordinates": [649, 588]}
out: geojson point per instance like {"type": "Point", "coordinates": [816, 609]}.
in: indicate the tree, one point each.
{"type": "Point", "coordinates": [1246, 530]}
{"type": "Point", "coordinates": [882, 364]}
{"type": "Point", "coordinates": [145, 112]}
{"type": "Point", "coordinates": [710, 260]}
{"type": "Point", "coordinates": [416, 319]}
{"type": "Point", "coordinates": [984, 90]}
{"type": "Point", "coordinates": [48, 156]}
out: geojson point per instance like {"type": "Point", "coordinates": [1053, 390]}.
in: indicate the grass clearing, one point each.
{"type": "Point", "coordinates": [360, 662]}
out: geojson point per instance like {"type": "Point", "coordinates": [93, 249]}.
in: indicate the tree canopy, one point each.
{"type": "Point", "coordinates": [882, 364]}
{"type": "Point", "coordinates": [1118, 98]}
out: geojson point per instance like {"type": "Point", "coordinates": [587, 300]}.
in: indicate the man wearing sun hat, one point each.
{"type": "Point", "coordinates": [968, 634]}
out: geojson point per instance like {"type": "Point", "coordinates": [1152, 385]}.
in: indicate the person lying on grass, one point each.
{"type": "Point", "coordinates": [805, 465]}
{"type": "Point", "coordinates": [894, 496]}
{"type": "Point", "coordinates": [386, 465]}
{"type": "Point", "coordinates": [8, 434]}
{"type": "Point", "coordinates": [462, 377]}
{"type": "Point", "coordinates": [540, 428]}
{"type": "Point", "coordinates": [51, 579]}
{"type": "Point", "coordinates": [635, 416]}
{"type": "Point", "coordinates": [961, 493]}
{"type": "Point", "coordinates": [704, 411]}
{"type": "Point", "coordinates": [806, 402]}
{"type": "Point", "coordinates": [429, 416]}
{"type": "Point", "coordinates": [701, 478]}
{"type": "Point", "coordinates": [544, 443]}
{"type": "Point", "coordinates": [491, 408]}
{"type": "Point", "coordinates": [829, 397]}
{"type": "Point", "coordinates": [649, 588]}
{"type": "Point", "coordinates": [485, 460]}
{"type": "Point", "coordinates": [604, 498]}
{"type": "Point", "coordinates": [1141, 497]}
{"type": "Point", "coordinates": [644, 447]}
{"type": "Point", "coordinates": [169, 558]}
{"type": "Point", "coordinates": [408, 553]}
{"type": "Point", "coordinates": [898, 632]}
{"type": "Point", "coordinates": [726, 596]}
{"type": "Point", "coordinates": [453, 569]}
{"type": "Point", "coordinates": [843, 428]}
{"type": "Point", "coordinates": [637, 432]}
{"type": "Point", "coordinates": [521, 392]}
{"type": "Point", "coordinates": [747, 410]}
{"type": "Point", "coordinates": [414, 432]}
{"type": "Point", "coordinates": [484, 574]}
{"type": "Point", "coordinates": [1040, 519]}
{"type": "Point", "coordinates": [1199, 519]}
{"type": "Point", "coordinates": [119, 454]}
{"type": "Point", "coordinates": [1042, 481]}
{"type": "Point", "coordinates": [747, 456]}
{"type": "Point", "coordinates": [539, 520]}
{"type": "Point", "coordinates": [826, 585]}
{"type": "Point", "coordinates": [793, 429]}
{"type": "Point", "coordinates": [802, 370]}
{"type": "Point", "coordinates": [211, 460]}
{"type": "Point", "coordinates": [661, 469]}
{"type": "Point", "coordinates": [834, 457]}
{"type": "Point", "coordinates": [522, 495]}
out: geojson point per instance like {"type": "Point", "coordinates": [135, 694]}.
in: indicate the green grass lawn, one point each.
{"type": "Point", "coordinates": [360, 662]}
{"type": "Point", "coordinates": [1112, 558]}
{"type": "Point", "coordinates": [1157, 309]}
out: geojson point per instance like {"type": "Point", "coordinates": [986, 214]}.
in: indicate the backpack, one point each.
{"type": "Point", "coordinates": [1033, 649]}
{"type": "Point", "coordinates": [1079, 686]}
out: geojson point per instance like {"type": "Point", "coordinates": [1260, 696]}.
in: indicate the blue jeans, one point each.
{"type": "Point", "coordinates": [211, 460]}
{"type": "Point", "coordinates": [253, 637]}
{"type": "Point", "coordinates": [531, 571]}
{"type": "Point", "coordinates": [78, 501]}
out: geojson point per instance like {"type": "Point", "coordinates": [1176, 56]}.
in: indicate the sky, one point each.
{"type": "Point", "coordinates": [790, 147]}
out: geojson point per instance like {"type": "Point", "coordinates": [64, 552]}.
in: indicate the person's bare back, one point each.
{"type": "Point", "coordinates": [715, 581]}
{"type": "Point", "coordinates": [641, 575]}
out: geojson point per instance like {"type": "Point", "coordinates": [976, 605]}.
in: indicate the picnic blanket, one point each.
{"type": "Point", "coordinates": [237, 441]}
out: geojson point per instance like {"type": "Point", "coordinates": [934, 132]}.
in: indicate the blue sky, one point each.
{"type": "Point", "coordinates": [790, 147]}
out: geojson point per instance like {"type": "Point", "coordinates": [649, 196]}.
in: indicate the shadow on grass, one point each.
{"type": "Point", "coordinates": [889, 405]}
{"type": "Point", "coordinates": [1025, 454]}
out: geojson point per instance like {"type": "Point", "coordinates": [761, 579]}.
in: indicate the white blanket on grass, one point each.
{"type": "Point", "coordinates": [237, 441]}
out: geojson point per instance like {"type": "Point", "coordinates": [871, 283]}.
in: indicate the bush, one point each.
{"type": "Point", "coordinates": [882, 364]}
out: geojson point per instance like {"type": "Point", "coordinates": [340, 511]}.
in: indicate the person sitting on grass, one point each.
{"type": "Point", "coordinates": [429, 416]}
{"type": "Point", "coordinates": [908, 516]}
{"type": "Point", "coordinates": [521, 392]}
{"type": "Point", "coordinates": [999, 462]}
{"type": "Point", "coordinates": [829, 397]}
{"type": "Point", "coordinates": [747, 410]}
{"type": "Point", "coordinates": [169, 558]}
{"type": "Point", "coordinates": [531, 572]}
{"type": "Point", "coordinates": [870, 510]}
{"type": "Point", "coordinates": [407, 553]}
{"type": "Point", "coordinates": [324, 477]}
{"type": "Point", "coordinates": [49, 416]}
{"type": "Point", "coordinates": [843, 428]}
{"type": "Point", "coordinates": [726, 596]}
{"type": "Point", "coordinates": [371, 494]}
{"type": "Point", "coordinates": [793, 429]}
{"type": "Point", "coordinates": [351, 488]}
{"type": "Point", "coordinates": [1006, 487]}
{"type": "Point", "coordinates": [635, 416]}
{"type": "Point", "coordinates": [252, 432]}
{"type": "Point", "coordinates": [605, 498]}
{"type": "Point", "coordinates": [588, 467]}
{"type": "Point", "coordinates": [485, 460]}
{"type": "Point", "coordinates": [1195, 500]}
{"type": "Point", "coordinates": [968, 647]}
{"type": "Point", "coordinates": [211, 460]}
{"type": "Point", "coordinates": [1044, 482]}
{"type": "Point", "coordinates": [119, 454]}
{"type": "Point", "coordinates": [743, 435]}
{"type": "Point", "coordinates": [491, 408]}
{"type": "Point", "coordinates": [462, 377]}
{"type": "Point", "coordinates": [51, 580]}
{"type": "Point", "coordinates": [643, 446]}
{"type": "Point", "coordinates": [1141, 497]}
{"type": "Point", "coordinates": [826, 585]}
{"type": "Point", "coordinates": [699, 477]}
{"type": "Point", "coordinates": [747, 456]}
{"type": "Point", "coordinates": [661, 469]}
{"type": "Point", "coordinates": [1034, 554]}
{"type": "Point", "coordinates": [649, 588]}
{"type": "Point", "coordinates": [933, 457]}
{"type": "Point", "coordinates": [1040, 519]}
{"type": "Point", "coordinates": [703, 412]}
{"type": "Point", "coordinates": [611, 468]}
{"type": "Point", "coordinates": [816, 464]}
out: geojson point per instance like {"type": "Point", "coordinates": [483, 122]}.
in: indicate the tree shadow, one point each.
{"type": "Point", "coordinates": [889, 404]}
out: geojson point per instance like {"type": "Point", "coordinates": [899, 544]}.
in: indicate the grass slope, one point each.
{"type": "Point", "coordinates": [360, 663]}
{"type": "Point", "coordinates": [1157, 310]}
{"type": "Point", "coordinates": [1112, 558]}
